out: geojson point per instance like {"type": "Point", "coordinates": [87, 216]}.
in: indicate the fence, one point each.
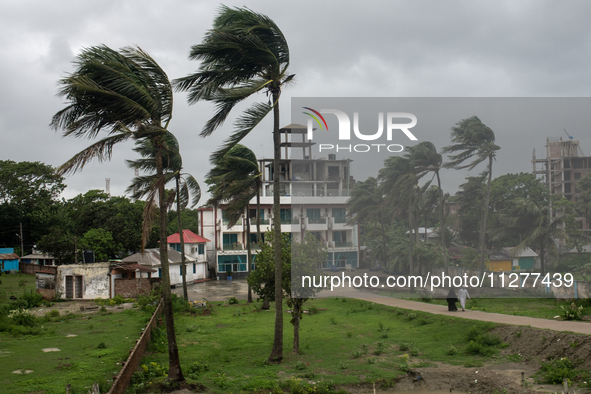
{"type": "Point", "coordinates": [135, 356]}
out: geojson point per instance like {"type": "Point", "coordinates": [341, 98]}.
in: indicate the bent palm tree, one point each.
{"type": "Point", "coordinates": [426, 159]}
{"type": "Point", "coordinates": [474, 140]}
{"type": "Point", "coordinates": [236, 180]}
{"type": "Point", "coordinates": [243, 54]}
{"type": "Point", "coordinates": [187, 188]}
{"type": "Point", "coordinates": [129, 96]}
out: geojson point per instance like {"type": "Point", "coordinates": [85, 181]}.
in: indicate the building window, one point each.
{"type": "Point", "coordinates": [339, 215]}
{"type": "Point", "coordinates": [567, 188]}
{"type": "Point", "coordinates": [181, 269]}
{"type": "Point", "coordinates": [577, 176]}
{"type": "Point", "coordinates": [194, 268]}
{"type": "Point", "coordinates": [201, 249]}
{"type": "Point", "coordinates": [160, 272]}
{"type": "Point", "coordinates": [567, 176]}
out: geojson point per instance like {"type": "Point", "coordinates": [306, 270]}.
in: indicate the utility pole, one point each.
{"type": "Point", "coordinates": [21, 237]}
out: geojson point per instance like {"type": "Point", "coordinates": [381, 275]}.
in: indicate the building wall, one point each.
{"type": "Point", "coordinates": [95, 279]}
{"type": "Point", "coordinates": [131, 288]}
{"type": "Point", "coordinates": [499, 265]}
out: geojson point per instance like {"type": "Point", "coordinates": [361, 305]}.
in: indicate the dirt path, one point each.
{"type": "Point", "coordinates": [556, 325]}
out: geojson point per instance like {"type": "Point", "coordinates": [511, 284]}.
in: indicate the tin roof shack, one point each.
{"type": "Point", "coordinates": [151, 259]}
{"type": "Point", "coordinates": [523, 260]}
{"type": "Point", "coordinates": [83, 281]}
{"type": "Point", "coordinates": [45, 283]}
{"type": "Point", "coordinates": [8, 260]}
{"type": "Point", "coordinates": [38, 258]}
{"type": "Point", "coordinates": [498, 260]}
{"type": "Point", "coordinates": [128, 282]}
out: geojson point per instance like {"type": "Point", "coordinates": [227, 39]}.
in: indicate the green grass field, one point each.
{"type": "Point", "coordinates": [10, 285]}
{"type": "Point", "coordinates": [81, 360]}
{"type": "Point", "coordinates": [348, 342]}
{"type": "Point", "coordinates": [544, 308]}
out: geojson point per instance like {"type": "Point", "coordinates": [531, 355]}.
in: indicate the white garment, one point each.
{"type": "Point", "coordinates": [462, 295]}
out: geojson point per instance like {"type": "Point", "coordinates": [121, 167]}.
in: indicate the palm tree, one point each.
{"type": "Point", "coordinates": [127, 95]}
{"type": "Point", "coordinates": [187, 188]}
{"type": "Point", "coordinates": [544, 228]}
{"type": "Point", "coordinates": [365, 206]}
{"type": "Point", "coordinates": [243, 54]}
{"type": "Point", "coordinates": [400, 185]}
{"type": "Point", "coordinates": [236, 180]}
{"type": "Point", "coordinates": [426, 159]}
{"type": "Point", "coordinates": [474, 140]}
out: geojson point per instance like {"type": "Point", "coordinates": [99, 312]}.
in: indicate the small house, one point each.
{"type": "Point", "coordinates": [522, 260]}
{"type": "Point", "coordinates": [151, 258]}
{"type": "Point", "coordinates": [83, 281]}
{"type": "Point", "coordinates": [127, 280]}
{"type": "Point", "coordinates": [8, 259]}
{"type": "Point", "coordinates": [499, 260]}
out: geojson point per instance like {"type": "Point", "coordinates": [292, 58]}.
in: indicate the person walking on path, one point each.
{"type": "Point", "coordinates": [463, 294]}
{"type": "Point", "coordinates": [451, 301]}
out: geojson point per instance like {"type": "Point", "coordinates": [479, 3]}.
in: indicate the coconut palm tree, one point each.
{"type": "Point", "coordinates": [243, 54]}
{"type": "Point", "coordinates": [400, 186]}
{"type": "Point", "coordinates": [236, 180]}
{"type": "Point", "coordinates": [127, 95]}
{"type": "Point", "coordinates": [365, 206]}
{"type": "Point", "coordinates": [187, 188]}
{"type": "Point", "coordinates": [426, 159]}
{"type": "Point", "coordinates": [473, 140]}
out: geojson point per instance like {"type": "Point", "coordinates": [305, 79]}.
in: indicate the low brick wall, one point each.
{"type": "Point", "coordinates": [31, 269]}
{"type": "Point", "coordinates": [135, 356]}
{"type": "Point", "coordinates": [48, 294]}
{"type": "Point", "coordinates": [131, 288]}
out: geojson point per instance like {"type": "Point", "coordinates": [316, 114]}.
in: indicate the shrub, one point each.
{"type": "Point", "coordinates": [22, 317]}
{"type": "Point", "coordinates": [53, 313]}
{"type": "Point", "coordinates": [403, 347]}
{"type": "Point", "coordinates": [300, 366]}
{"type": "Point", "coordinates": [32, 300]}
{"type": "Point", "coordinates": [233, 300]}
{"type": "Point", "coordinates": [572, 312]}
{"type": "Point", "coordinates": [451, 350]}
{"type": "Point", "coordinates": [555, 371]}
{"type": "Point", "coordinates": [101, 345]}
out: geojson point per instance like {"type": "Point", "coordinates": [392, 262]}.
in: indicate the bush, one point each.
{"type": "Point", "coordinates": [32, 300]}
{"type": "Point", "coordinates": [555, 371]}
{"type": "Point", "coordinates": [21, 317]}
{"type": "Point", "coordinates": [101, 345]}
{"type": "Point", "coordinates": [572, 312]}
{"type": "Point", "coordinates": [451, 350]}
{"type": "Point", "coordinates": [233, 300]}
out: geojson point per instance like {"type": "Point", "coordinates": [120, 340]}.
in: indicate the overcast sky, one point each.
{"type": "Point", "coordinates": [411, 48]}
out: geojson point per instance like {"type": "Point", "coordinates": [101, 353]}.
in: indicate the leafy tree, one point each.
{"type": "Point", "coordinates": [100, 241]}
{"type": "Point", "coordinates": [129, 96]}
{"type": "Point", "coordinates": [473, 140]}
{"type": "Point", "coordinates": [29, 193]}
{"type": "Point", "coordinates": [584, 199]}
{"type": "Point", "coordinates": [243, 54]}
{"type": "Point", "coordinates": [469, 197]}
{"type": "Point", "coordinates": [298, 258]}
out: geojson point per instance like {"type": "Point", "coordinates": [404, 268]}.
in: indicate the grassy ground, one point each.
{"type": "Point", "coordinates": [348, 342]}
{"type": "Point", "coordinates": [81, 361]}
{"type": "Point", "coordinates": [10, 285]}
{"type": "Point", "coordinates": [545, 308]}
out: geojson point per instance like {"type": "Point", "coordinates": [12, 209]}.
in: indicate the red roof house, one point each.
{"type": "Point", "coordinates": [189, 237]}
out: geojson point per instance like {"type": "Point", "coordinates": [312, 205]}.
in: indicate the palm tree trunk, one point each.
{"type": "Point", "coordinates": [277, 351]}
{"type": "Point", "coordinates": [174, 365]}
{"type": "Point", "coordinates": [248, 250]}
{"type": "Point", "coordinates": [410, 235]}
{"type": "Point", "coordinates": [297, 304]}
{"type": "Point", "coordinates": [384, 248]}
{"type": "Point", "coordinates": [442, 226]}
{"type": "Point", "coordinates": [181, 236]}
{"type": "Point", "coordinates": [482, 240]}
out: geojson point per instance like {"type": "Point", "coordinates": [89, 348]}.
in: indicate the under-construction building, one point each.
{"type": "Point", "coordinates": [562, 168]}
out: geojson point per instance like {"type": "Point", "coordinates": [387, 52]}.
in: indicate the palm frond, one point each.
{"type": "Point", "coordinates": [101, 150]}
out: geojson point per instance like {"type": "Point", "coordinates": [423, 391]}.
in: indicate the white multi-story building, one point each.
{"type": "Point", "coordinates": [314, 194]}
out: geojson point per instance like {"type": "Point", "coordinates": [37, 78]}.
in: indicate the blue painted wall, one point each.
{"type": "Point", "coordinates": [8, 265]}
